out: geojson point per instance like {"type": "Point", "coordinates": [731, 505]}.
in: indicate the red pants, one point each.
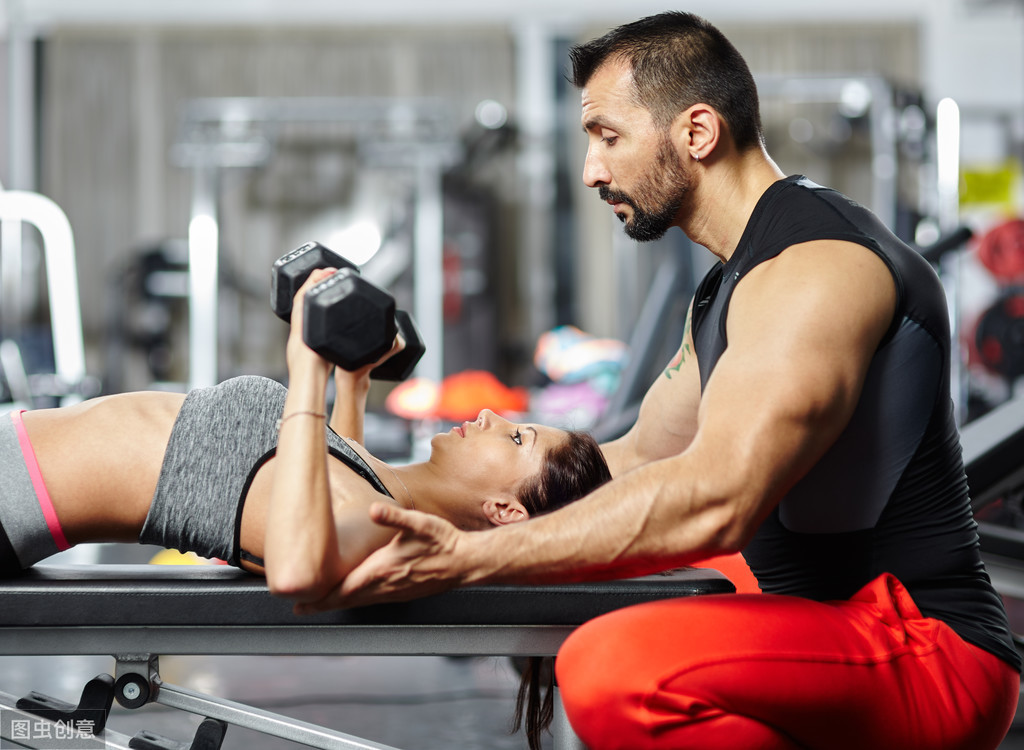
{"type": "Point", "coordinates": [765, 671]}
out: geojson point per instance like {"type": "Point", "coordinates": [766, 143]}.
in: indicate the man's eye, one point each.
{"type": "Point", "coordinates": [610, 139]}
{"type": "Point", "coordinates": [517, 437]}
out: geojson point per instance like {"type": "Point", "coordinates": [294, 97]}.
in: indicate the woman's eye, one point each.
{"type": "Point", "coordinates": [517, 437]}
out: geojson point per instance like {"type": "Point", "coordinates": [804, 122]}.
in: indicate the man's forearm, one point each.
{"type": "Point", "coordinates": [629, 527]}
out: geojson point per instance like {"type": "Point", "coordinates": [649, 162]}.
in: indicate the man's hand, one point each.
{"type": "Point", "coordinates": [421, 560]}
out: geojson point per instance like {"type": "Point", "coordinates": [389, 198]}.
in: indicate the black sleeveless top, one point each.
{"type": "Point", "coordinates": [891, 495]}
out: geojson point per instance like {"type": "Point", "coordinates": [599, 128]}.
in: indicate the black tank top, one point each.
{"type": "Point", "coordinates": [891, 495]}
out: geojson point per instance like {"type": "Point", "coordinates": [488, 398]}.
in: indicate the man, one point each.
{"type": "Point", "coordinates": [806, 421]}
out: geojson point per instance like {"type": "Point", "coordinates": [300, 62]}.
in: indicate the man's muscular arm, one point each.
{"type": "Point", "coordinates": [802, 329]}
{"type": "Point", "coordinates": [667, 420]}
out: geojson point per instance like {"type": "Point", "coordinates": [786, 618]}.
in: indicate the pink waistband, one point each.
{"type": "Point", "coordinates": [42, 494]}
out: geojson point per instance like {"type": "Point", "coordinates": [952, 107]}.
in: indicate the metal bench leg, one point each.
{"type": "Point", "coordinates": [565, 737]}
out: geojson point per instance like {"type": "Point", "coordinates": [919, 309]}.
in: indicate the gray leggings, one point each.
{"type": "Point", "coordinates": [29, 530]}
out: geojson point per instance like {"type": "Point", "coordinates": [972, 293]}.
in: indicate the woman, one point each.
{"type": "Point", "coordinates": [247, 470]}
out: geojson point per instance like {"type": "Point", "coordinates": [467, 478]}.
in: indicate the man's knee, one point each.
{"type": "Point", "coordinates": [583, 681]}
{"type": "Point", "coordinates": [601, 684]}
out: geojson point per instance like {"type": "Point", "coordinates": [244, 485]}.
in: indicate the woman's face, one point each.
{"type": "Point", "coordinates": [493, 454]}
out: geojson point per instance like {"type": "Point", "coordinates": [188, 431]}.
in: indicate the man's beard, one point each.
{"type": "Point", "coordinates": [657, 200]}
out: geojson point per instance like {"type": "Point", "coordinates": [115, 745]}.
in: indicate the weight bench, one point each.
{"type": "Point", "coordinates": [137, 613]}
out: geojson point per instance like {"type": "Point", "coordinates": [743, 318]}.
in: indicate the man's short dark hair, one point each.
{"type": "Point", "coordinates": [679, 59]}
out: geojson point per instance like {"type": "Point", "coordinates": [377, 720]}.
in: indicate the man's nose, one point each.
{"type": "Point", "coordinates": [595, 173]}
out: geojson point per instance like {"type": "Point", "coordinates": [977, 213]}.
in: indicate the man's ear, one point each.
{"type": "Point", "coordinates": [696, 131]}
{"type": "Point", "coordinates": [504, 510]}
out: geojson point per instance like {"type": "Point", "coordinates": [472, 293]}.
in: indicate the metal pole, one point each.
{"type": "Point", "coordinates": [535, 114]}
{"type": "Point", "coordinates": [884, 156]}
{"type": "Point", "coordinates": [203, 266]}
{"type": "Point", "coordinates": [947, 162]}
{"type": "Point", "coordinates": [428, 260]}
{"type": "Point", "coordinates": [21, 149]}
{"type": "Point", "coordinates": [258, 720]}
{"type": "Point", "coordinates": [564, 736]}
{"type": "Point", "coordinates": [21, 145]}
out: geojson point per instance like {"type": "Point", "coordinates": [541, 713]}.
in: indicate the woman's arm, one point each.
{"type": "Point", "coordinates": [351, 388]}
{"type": "Point", "coordinates": [311, 542]}
{"type": "Point", "coordinates": [349, 411]}
{"type": "Point", "coordinates": [301, 547]}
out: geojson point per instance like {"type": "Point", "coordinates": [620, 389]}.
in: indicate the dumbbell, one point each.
{"type": "Point", "coordinates": [347, 320]}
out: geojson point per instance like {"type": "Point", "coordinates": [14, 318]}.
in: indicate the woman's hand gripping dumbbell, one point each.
{"type": "Point", "coordinates": [347, 320]}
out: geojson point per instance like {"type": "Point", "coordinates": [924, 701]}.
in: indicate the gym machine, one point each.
{"type": "Point", "coordinates": [870, 98]}
{"type": "Point", "coordinates": [994, 456]}
{"type": "Point", "coordinates": [413, 135]}
{"type": "Point", "coordinates": [68, 383]}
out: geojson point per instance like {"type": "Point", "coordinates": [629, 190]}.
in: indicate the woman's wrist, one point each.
{"type": "Point", "coordinates": [306, 365]}
{"type": "Point", "coordinates": [300, 413]}
{"type": "Point", "coordinates": [355, 384]}
{"type": "Point", "coordinates": [307, 390]}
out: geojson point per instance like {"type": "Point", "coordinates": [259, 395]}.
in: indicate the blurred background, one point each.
{"type": "Point", "coordinates": [157, 156]}
{"type": "Point", "coordinates": [440, 146]}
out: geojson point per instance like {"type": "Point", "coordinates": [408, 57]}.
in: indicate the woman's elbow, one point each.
{"type": "Point", "coordinates": [298, 583]}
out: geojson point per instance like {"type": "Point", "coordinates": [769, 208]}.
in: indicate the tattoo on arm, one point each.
{"type": "Point", "coordinates": [684, 353]}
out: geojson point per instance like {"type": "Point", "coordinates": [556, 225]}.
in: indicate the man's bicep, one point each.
{"type": "Point", "coordinates": [802, 333]}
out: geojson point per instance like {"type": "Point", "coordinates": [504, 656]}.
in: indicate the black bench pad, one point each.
{"type": "Point", "coordinates": [211, 596]}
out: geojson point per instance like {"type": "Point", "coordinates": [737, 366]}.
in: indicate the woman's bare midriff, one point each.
{"type": "Point", "coordinates": [101, 460]}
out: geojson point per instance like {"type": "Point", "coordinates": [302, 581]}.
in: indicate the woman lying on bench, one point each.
{"type": "Point", "coordinates": [247, 469]}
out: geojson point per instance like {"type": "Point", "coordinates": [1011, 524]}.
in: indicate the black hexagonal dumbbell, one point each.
{"type": "Point", "coordinates": [291, 270]}
{"type": "Point", "coordinates": [346, 319]}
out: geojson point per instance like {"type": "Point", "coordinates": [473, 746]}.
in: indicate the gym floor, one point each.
{"type": "Point", "coordinates": [413, 703]}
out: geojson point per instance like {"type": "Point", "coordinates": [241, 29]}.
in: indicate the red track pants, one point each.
{"type": "Point", "coordinates": [765, 671]}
